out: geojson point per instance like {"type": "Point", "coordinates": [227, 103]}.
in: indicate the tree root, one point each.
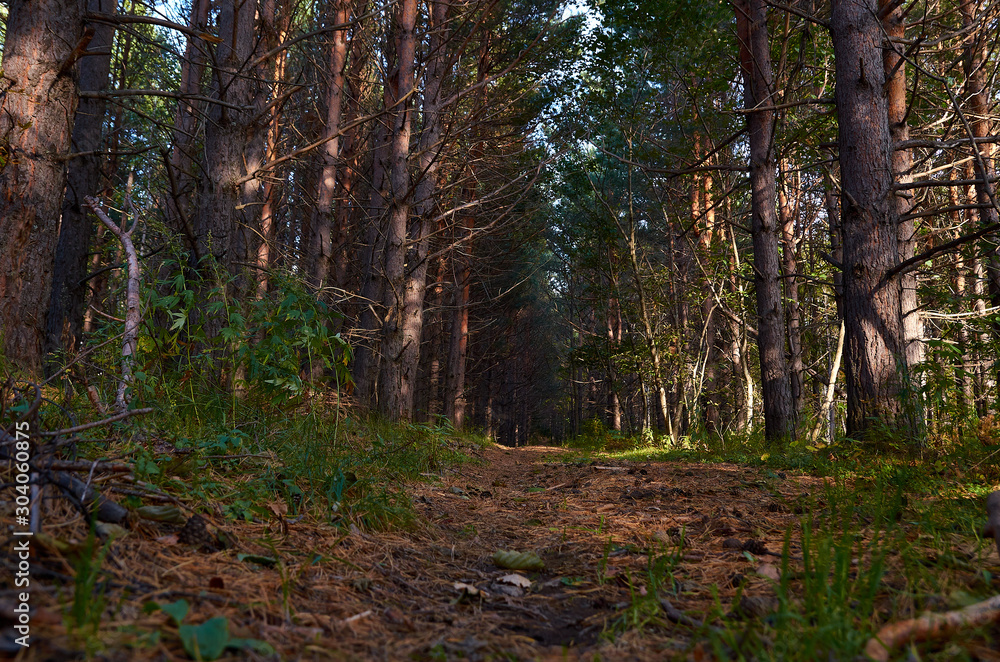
{"type": "Point", "coordinates": [931, 626]}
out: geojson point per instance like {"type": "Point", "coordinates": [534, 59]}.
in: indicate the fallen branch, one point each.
{"type": "Point", "coordinates": [95, 424]}
{"type": "Point", "coordinates": [66, 465]}
{"type": "Point", "coordinates": [679, 617]}
{"type": "Point", "coordinates": [106, 511]}
{"type": "Point", "coordinates": [931, 626]}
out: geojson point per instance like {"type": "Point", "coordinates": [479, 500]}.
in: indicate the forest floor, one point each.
{"type": "Point", "coordinates": [614, 537]}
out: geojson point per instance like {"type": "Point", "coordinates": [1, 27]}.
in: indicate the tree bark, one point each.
{"type": "Point", "coordinates": [321, 239]}
{"type": "Point", "coordinates": [228, 213]}
{"type": "Point", "coordinates": [36, 121]}
{"type": "Point", "coordinates": [428, 163]}
{"type": "Point", "coordinates": [755, 61]}
{"type": "Point", "coordinates": [396, 378]}
{"type": "Point", "coordinates": [454, 398]}
{"type": "Point", "coordinates": [978, 93]}
{"type": "Point", "coordinates": [875, 360]}
{"type": "Point", "coordinates": [182, 179]}
{"type": "Point", "coordinates": [788, 206]}
{"type": "Point", "coordinates": [64, 323]}
{"type": "Point", "coordinates": [902, 165]}
{"type": "Point", "coordinates": [276, 21]}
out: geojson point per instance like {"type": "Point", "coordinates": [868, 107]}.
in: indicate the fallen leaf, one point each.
{"type": "Point", "coordinates": [515, 579]}
{"type": "Point", "coordinates": [769, 571]}
{"type": "Point", "coordinates": [517, 560]}
{"type": "Point", "coordinates": [470, 590]}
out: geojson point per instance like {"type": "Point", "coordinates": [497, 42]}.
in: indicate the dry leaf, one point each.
{"type": "Point", "coordinates": [769, 571]}
{"type": "Point", "coordinates": [470, 590]}
{"type": "Point", "coordinates": [515, 579]}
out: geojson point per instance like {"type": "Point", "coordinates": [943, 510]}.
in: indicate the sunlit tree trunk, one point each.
{"type": "Point", "coordinates": [614, 330]}
{"type": "Point", "coordinates": [788, 211]}
{"type": "Point", "coordinates": [454, 395]}
{"type": "Point", "coordinates": [978, 74]}
{"type": "Point", "coordinates": [902, 164]}
{"type": "Point", "coordinates": [36, 121]}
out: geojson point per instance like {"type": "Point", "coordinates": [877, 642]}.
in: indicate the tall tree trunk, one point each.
{"type": "Point", "coordinates": [755, 61]}
{"type": "Point", "coordinates": [418, 242]}
{"type": "Point", "coordinates": [614, 329]}
{"type": "Point", "coordinates": [875, 360]}
{"type": "Point", "coordinates": [978, 95]}
{"type": "Point", "coordinates": [228, 212]}
{"type": "Point", "coordinates": [276, 21]}
{"type": "Point", "coordinates": [788, 207]}
{"type": "Point", "coordinates": [367, 354]}
{"type": "Point", "coordinates": [36, 121]}
{"type": "Point", "coordinates": [320, 238]}
{"type": "Point", "coordinates": [902, 164]}
{"type": "Point", "coordinates": [454, 397]}
{"type": "Point", "coordinates": [64, 324]}
{"type": "Point", "coordinates": [830, 200]}
{"type": "Point", "coordinates": [352, 151]}
{"type": "Point", "coordinates": [182, 179]}
{"type": "Point", "coordinates": [396, 377]}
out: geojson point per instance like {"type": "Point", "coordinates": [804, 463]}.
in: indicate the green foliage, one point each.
{"type": "Point", "coordinates": [266, 345]}
{"type": "Point", "coordinates": [644, 596]}
{"type": "Point", "coordinates": [88, 596]}
{"type": "Point", "coordinates": [208, 640]}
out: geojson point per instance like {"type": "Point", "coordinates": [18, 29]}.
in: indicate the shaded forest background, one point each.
{"type": "Point", "coordinates": [659, 218]}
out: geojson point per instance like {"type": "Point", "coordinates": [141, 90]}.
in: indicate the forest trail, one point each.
{"type": "Point", "coordinates": [399, 595]}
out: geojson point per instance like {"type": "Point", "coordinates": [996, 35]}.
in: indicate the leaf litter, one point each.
{"type": "Point", "coordinates": [581, 536]}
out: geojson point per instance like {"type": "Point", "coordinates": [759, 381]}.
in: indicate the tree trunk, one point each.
{"type": "Point", "coordinates": [875, 360]}
{"type": "Point", "coordinates": [320, 238]}
{"type": "Point", "coordinates": [352, 154]}
{"type": "Point", "coordinates": [902, 164]}
{"type": "Point", "coordinates": [276, 22]}
{"type": "Point", "coordinates": [68, 300]}
{"type": "Point", "coordinates": [788, 206]}
{"type": "Point", "coordinates": [978, 93]}
{"type": "Point", "coordinates": [229, 212]}
{"type": "Point", "coordinates": [418, 242]}
{"type": "Point", "coordinates": [396, 378]}
{"type": "Point", "coordinates": [454, 398]}
{"type": "Point", "coordinates": [367, 354]}
{"type": "Point", "coordinates": [182, 179]}
{"type": "Point", "coordinates": [36, 122]}
{"type": "Point", "coordinates": [755, 61]}
{"type": "Point", "coordinates": [614, 329]}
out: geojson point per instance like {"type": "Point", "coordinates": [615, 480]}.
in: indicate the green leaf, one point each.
{"type": "Point", "coordinates": [205, 641]}
{"type": "Point", "coordinates": [176, 610]}
{"type": "Point", "coordinates": [517, 560]}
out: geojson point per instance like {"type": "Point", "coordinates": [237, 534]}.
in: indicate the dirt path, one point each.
{"type": "Point", "coordinates": [399, 596]}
